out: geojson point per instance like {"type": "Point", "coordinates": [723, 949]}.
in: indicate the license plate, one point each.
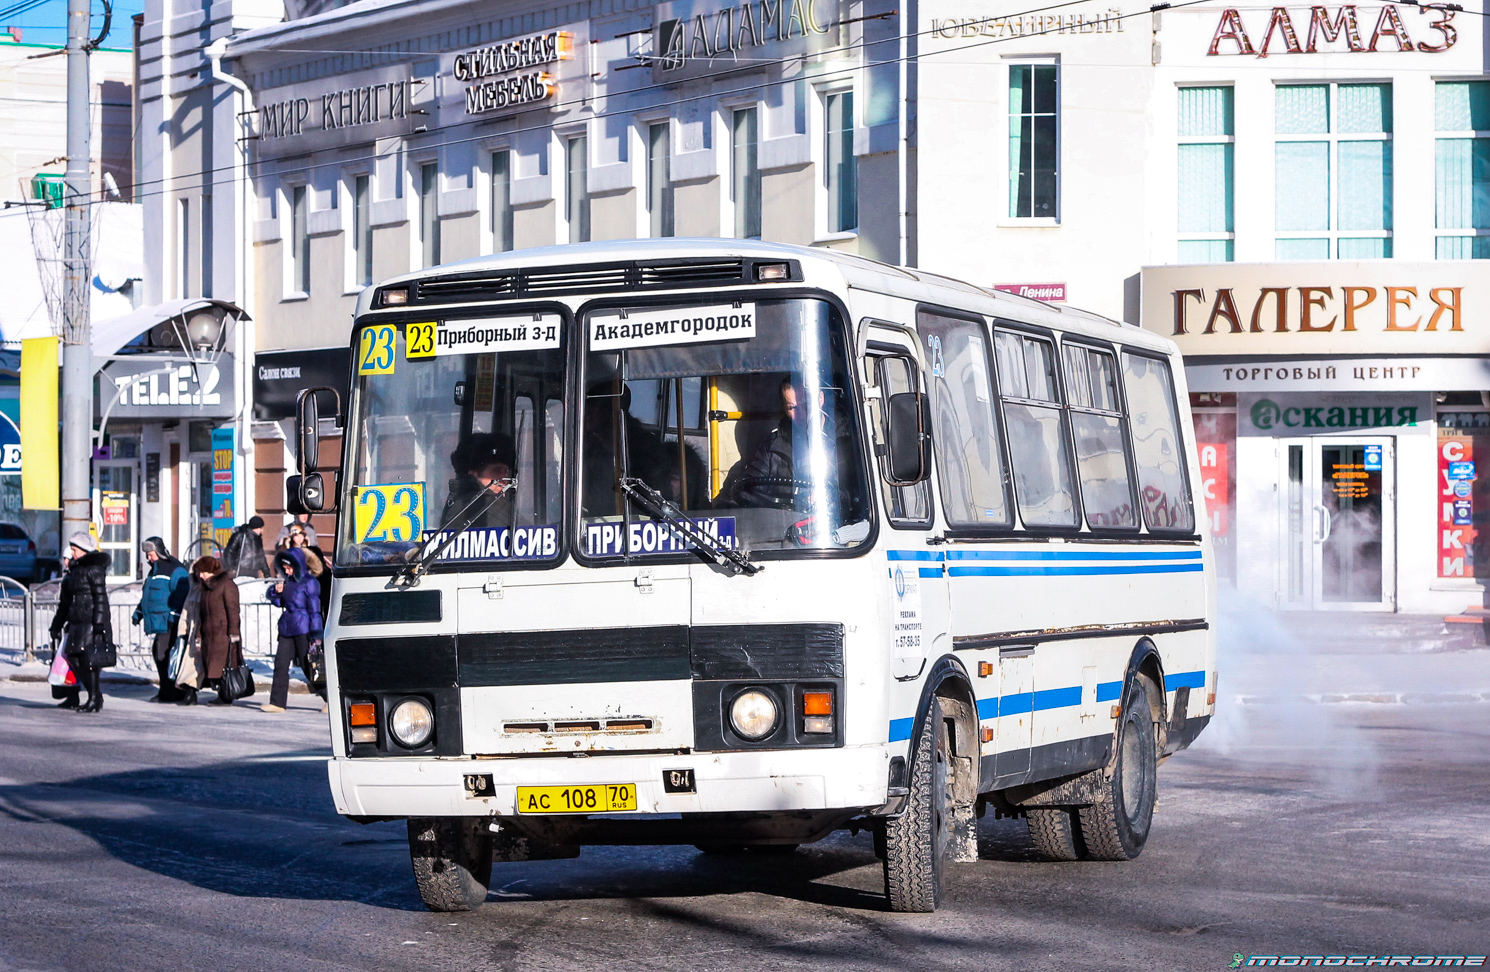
{"type": "Point", "coordinates": [606, 798]}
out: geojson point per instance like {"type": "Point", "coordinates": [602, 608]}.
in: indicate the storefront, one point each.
{"type": "Point", "coordinates": [1338, 407]}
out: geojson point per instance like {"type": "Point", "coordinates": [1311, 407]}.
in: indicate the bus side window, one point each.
{"type": "Point", "coordinates": [1156, 443]}
{"type": "Point", "coordinates": [1098, 430]}
{"type": "Point", "coordinates": [909, 506]}
{"type": "Point", "coordinates": [1038, 449]}
{"type": "Point", "coordinates": [969, 458]}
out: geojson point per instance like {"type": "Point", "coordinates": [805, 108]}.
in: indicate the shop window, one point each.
{"type": "Point", "coordinates": [745, 182]}
{"type": "Point", "coordinates": [1333, 171]}
{"type": "Point", "coordinates": [1207, 131]}
{"type": "Point", "coordinates": [300, 240]}
{"type": "Point", "coordinates": [362, 234]}
{"type": "Point", "coordinates": [1034, 147]}
{"type": "Point", "coordinates": [841, 171]}
{"type": "Point", "coordinates": [501, 202]}
{"type": "Point", "coordinates": [429, 214]}
{"type": "Point", "coordinates": [1462, 170]}
{"type": "Point", "coordinates": [1100, 436]}
{"type": "Point", "coordinates": [659, 180]}
{"type": "Point", "coordinates": [1159, 458]}
{"type": "Point", "coordinates": [577, 188]}
{"type": "Point", "coordinates": [969, 456]}
{"type": "Point", "coordinates": [1039, 454]}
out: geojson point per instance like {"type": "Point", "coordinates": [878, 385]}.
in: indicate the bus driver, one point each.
{"type": "Point", "coordinates": [483, 462]}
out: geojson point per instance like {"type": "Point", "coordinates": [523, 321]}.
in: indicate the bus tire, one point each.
{"type": "Point", "coordinates": [452, 861]}
{"type": "Point", "coordinates": [916, 841]}
{"type": "Point", "coordinates": [1055, 833]}
{"type": "Point", "coordinates": [1116, 827]}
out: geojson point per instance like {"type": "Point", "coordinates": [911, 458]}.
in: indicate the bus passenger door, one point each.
{"type": "Point", "coordinates": [918, 583]}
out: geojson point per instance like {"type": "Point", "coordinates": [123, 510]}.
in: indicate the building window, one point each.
{"type": "Point", "coordinates": [1333, 163]}
{"type": "Point", "coordinates": [841, 172]}
{"type": "Point", "coordinates": [183, 248]}
{"type": "Point", "coordinates": [745, 172]}
{"type": "Point", "coordinates": [1034, 146]}
{"type": "Point", "coordinates": [429, 213]}
{"type": "Point", "coordinates": [362, 235]}
{"type": "Point", "coordinates": [299, 240]}
{"type": "Point", "coordinates": [659, 179]}
{"type": "Point", "coordinates": [1206, 182]}
{"type": "Point", "coordinates": [501, 201]}
{"type": "Point", "coordinates": [577, 188]}
{"type": "Point", "coordinates": [1462, 179]}
{"type": "Point", "coordinates": [204, 265]}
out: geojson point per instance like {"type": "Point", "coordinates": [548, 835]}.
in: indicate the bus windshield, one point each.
{"type": "Point", "coordinates": [739, 413]}
{"type": "Point", "coordinates": [457, 426]}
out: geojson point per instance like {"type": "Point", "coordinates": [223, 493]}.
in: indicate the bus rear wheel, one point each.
{"type": "Point", "coordinates": [452, 861]}
{"type": "Point", "coordinates": [1116, 827]}
{"type": "Point", "coordinates": [1055, 833]}
{"type": "Point", "coordinates": [916, 842]}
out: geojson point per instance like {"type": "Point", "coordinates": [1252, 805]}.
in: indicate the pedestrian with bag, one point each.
{"type": "Point", "coordinates": [161, 601]}
{"type": "Point", "coordinates": [299, 594]}
{"type": "Point", "coordinates": [83, 620]}
{"type": "Point", "coordinates": [218, 623]}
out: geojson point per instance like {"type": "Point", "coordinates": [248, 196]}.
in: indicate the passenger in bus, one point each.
{"type": "Point", "coordinates": [483, 464]}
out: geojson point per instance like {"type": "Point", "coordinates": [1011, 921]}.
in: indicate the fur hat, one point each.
{"type": "Point", "coordinates": [83, 541]}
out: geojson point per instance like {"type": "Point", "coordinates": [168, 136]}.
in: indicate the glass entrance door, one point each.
{"type": "Point", "coordinates": [117, 503]}
{"type": "Point", "coordinates": [1338, 518]}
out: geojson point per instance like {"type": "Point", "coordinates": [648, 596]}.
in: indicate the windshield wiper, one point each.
{"type": "Point", "coordinates": [468, 514]}
{"type": "Point", "coordinates": [659, 506]}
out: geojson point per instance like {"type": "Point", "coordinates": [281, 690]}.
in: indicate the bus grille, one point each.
{"type": "Point", "coordinates": [587, 279]}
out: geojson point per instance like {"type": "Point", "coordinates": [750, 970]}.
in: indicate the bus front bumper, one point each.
{"type": "Point", "coordinates": [778, 780]}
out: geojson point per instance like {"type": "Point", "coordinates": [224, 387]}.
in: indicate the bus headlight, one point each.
{"type": "Point", "coordinates": [411, 723]}
{"type": "Point", "coordinates": [753, 714]}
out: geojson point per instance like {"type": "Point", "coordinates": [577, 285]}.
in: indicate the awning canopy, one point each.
{"type": "Point", "coordinates": [113, 334]}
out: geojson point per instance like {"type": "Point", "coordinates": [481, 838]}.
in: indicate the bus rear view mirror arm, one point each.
{"type": "Point", "coordinates": [910, 438]}
{"type": "Point", "coordinates": [308, 488]}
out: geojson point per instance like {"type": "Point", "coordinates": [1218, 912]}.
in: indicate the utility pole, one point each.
{"type": "Point", "coordinates": [77, 331]}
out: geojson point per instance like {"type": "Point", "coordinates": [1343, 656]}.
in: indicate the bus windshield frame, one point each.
{"type": "Point", "coordinates": [836, 395]}
{"type": "Point", "coordinates": [523, 440]}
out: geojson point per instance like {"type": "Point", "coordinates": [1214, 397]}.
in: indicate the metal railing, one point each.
{"type": "Point", "coordinates": [26, 618]}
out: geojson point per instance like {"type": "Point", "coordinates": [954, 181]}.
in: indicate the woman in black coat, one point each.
{"type": "Point", "coordinates": [83, 613]}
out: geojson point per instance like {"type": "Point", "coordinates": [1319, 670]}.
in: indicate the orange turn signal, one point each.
{"type": "Point", "coordinates": [362, 714]}
{"type": "Point", "coordinates": [817, 703]}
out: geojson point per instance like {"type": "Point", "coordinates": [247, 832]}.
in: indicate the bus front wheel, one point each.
{"type": "Point", "coordinates": [916, 842]}
{"type": "Point", "coordinates": [452, 861]}
{"type": "Point", "coordinates": [1116, 827]}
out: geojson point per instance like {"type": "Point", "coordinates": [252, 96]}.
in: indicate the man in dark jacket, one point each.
{"type": "Point", "coordinates": [83, 615]}
{"type": "Point", "coordinates": [244, 554]}
{"type": "Point", "coordinates": [480, 493]}
{"type": "Point", "coordinates": [161, 600]}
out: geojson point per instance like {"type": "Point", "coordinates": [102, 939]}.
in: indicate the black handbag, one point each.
{"type": "Point", "coordinates": [101, 654]}
{"type": "Point", "coordinates": [237, 681]}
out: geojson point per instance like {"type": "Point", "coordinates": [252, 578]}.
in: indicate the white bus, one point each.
{"type": "Point", "coordinates": [735, 544]}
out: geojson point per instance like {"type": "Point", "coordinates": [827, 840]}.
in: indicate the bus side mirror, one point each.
{"type": "Point", "coordinates": [308, 489]}
{"type": "Point", "coordinates": [909, 420]}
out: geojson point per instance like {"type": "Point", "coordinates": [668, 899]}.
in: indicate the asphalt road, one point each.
{"type": "Point", "coordinates": [153, 837]}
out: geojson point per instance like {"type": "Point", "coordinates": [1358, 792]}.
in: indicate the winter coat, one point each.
{"type": "Point", "coordinates": [217, 623]}
{"type": "Point", "coordinates": [244, 554]}
{"type": "Point", "coordinates": [83, 605]}
{"type": "Point", "coordinates": [301, 597]}
{"type": "Point", "coordinates": [163, 596]}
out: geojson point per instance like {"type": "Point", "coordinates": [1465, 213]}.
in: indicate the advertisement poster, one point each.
{"type": "Point", "coordinates": [1463, 438]}
{"type": "Point", "coordinates": [223, 456]}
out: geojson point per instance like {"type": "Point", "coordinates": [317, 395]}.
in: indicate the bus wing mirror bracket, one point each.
{"type": "Point", "coordinates": [308, 493]}
{"type": "Point", "coordinates": [909, 415]}
{"type": "Point", "coordinates": [308, 489]}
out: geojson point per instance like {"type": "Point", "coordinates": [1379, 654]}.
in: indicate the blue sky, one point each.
{"type": "Point", "coordinates": [47, 23]}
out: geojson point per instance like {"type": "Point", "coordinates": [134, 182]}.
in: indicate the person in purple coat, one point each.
{"type": "Point", "coordinates": [299, 594]}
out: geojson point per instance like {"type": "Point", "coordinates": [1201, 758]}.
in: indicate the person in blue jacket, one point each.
{"type": "Point", "coordinates": [161, 601]}
{"type": "Point", "coordinates": [299, 594]}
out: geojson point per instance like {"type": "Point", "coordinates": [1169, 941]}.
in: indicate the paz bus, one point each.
{"type": "Point", "coordinates": [734, 544]}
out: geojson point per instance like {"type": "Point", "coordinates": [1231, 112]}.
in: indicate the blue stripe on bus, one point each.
{"type": "Point", "coordinates": [1184, 680]}
{"type": "Point", "coordinates": [1073, 555]}
{"type": "Point", "coordinates": [1019, 703]}
{"type": "Point", "coordinates": [1072, 570]}
{"type": "Point", "coordinates": [914, 554]}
